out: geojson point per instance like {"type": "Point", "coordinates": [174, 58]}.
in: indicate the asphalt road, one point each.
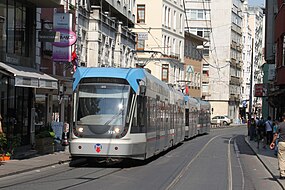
{"type": "Point", "coordinates": [220, 160]}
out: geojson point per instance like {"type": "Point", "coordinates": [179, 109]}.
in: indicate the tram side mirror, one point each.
{"type": "Point", "coordinates": [142, 90]}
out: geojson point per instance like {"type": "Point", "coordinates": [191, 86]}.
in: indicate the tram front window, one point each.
{"type": "Point", "coordinates": [102, 110]}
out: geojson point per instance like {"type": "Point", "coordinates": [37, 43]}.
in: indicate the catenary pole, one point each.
{"type": "Point", "coordinates": [251, 80]}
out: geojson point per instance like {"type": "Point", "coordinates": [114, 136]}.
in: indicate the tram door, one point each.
{"type": "Point", "coordinates": [157, 123]}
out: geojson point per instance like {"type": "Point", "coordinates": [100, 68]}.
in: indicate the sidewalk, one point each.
{"type": "Point", "coordinates": [16, 166]}
{"type": "Point", "coordinates": [269, 160]}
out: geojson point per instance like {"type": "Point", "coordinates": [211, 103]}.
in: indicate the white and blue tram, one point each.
{"type": "Point", "coordinates": [126, 113]}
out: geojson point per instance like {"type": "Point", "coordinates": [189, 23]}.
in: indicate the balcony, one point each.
{"type": "Point", "coordinates": [206, 94]}
{"type": "Point", "coordinates": [235, 80]}
{"type": "Point", "coordinates": [234, 97]}
{"type": "Point", "coordinates": [205, 78]}
{"type": "Point", "coordinates": [47, 3]}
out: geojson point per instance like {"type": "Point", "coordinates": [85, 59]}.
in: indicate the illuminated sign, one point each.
{"type": "Point", "coordinates": [67, 38]}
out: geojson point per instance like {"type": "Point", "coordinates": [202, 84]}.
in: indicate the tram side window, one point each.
{"type": "Point", "coordinates": [138, 125]}
{"type": "Point", "coordinates": [152, 116]}
{"type": "Point", "coordinates": [187, 117]}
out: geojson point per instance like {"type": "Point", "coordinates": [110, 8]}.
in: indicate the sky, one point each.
{"type": "Point", "coordinates": [256, 2]}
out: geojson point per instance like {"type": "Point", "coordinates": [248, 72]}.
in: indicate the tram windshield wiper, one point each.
{"type": "Point", "coordinates": [114, 117]}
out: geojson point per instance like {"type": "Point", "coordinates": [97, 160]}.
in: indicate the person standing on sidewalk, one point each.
{"type": "Point", "coordinates": [281, 146]}
{"type": "Point", "coordinates": [261, 132]}
{"type": "Point", "coordinates": [252, 127]}
{"type": "Point", "coordinates": [1, 128]}
{"type": "Point", "coordinates": [275, 130]}
{"type": "Point", "coordinates": [269, 130]}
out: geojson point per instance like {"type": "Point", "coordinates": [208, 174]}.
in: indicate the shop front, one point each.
{"type": "Point", "coordinates": [25, 95]}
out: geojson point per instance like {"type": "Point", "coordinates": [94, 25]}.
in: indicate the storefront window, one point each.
{"type": "Point", "coordinates": [4, 102]}
{"type": "Point", "coordinates": [23, 105]}
{"type": "Point", "coordinates": [14, 108]}
{"type": "Point", "coordinates": [40, 111]}
{"type": "Point", "coordinates": [55, 109]}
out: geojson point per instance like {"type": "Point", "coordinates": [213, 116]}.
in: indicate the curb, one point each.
{"type": "Point", "coordinates": [34, 168]}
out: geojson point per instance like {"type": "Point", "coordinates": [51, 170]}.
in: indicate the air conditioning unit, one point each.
{"type": "Point", "coordinates": [107, 40]}
{"type": "Point", "coordinates": [80, 31]}
{"type": "Point", "coordinates": [100, 37]}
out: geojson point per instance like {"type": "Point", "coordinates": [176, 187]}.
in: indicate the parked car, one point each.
{"type": "Point", "coordinates": [221, 120]}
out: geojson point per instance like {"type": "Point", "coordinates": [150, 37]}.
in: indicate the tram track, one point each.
{"type": "Point", "coordinates": [185, 169]}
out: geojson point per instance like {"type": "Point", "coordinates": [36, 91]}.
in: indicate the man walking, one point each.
{"type": "Point", "coordinates": [281, 146]}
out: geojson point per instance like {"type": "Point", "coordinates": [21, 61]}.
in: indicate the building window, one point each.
{"type": "Point", "coordinates": [140, 44]}
{"type": "Point", "coordinates": [181, 23]}
{"type": "Point", "coordinates": [283, 52]}
{"type": "Point", "coordinates": [47, 46]}
{"type": "Point", "coordinates": [140, 13]}
{"type": "Point", "coordinates": [169, 18]}
{"type": "Point", "coordinates": [165, 72]}
{"type": "Point", "coordinates": [203, 32]}
{"type": "Point", "coordinates": [173, 47]}
{"type": "Point", "coordinates": [198, 14]}
{"type": "Point", "coordinates": [17, 35]}
{"type": "Point", "coordinates": [3, 24]}
{"type": "Point", "coordinates": [174, 20]}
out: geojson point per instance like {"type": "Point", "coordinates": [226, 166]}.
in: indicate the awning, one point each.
{"type": "Point", "coordinates": [46, 3]}
{"type": "Point", "coordinates": [29, 77]}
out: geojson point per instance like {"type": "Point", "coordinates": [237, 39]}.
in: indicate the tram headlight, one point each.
{"type": "Point", "coordinates": [120, 106]}
{"type": "Point", "coordinates": [80, 129]}
{"type": "Point", "coordinates": [117, 130]}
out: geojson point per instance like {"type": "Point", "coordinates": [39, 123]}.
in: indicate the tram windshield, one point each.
{"type": "Point", "coordinates": [102, 109]}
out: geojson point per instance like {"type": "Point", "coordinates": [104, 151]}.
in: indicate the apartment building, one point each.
{"type": "Point", "coordinates": [160, 39]}
{"type": "Point", "coordinates": [275, 55]}
{"type": "Point", "coordinates": [246, 87]}
{"type": "Point", "coordinates": [193, 56]}
{"type": "Point", "coordinates": [256, 25]}
{"type": "Point", "coordinates": [108, 38]}
{"type": "Point", "coordinates": [222, 51]}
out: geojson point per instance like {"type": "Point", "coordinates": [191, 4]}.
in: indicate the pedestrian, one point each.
{"type": "Point", "coordinates": [275, 128]}
{"type": "Point", "coordinates": [252, 127]}
{"type": "Point", "coordinates": [1, 128]}
{"type": "Point", "coordinates": [281, 146]}
{"type": "Point", "coordinates": [269, 130]}
{"type": "Point", "coordinates": [65, 135]}
{"type": "Point", "coordinates": [261, 132]}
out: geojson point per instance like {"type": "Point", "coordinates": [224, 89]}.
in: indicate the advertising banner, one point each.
{"type": "Point", "coordinates": [260, 90]}
{"type": "Point", "coordinates": [62, 22]}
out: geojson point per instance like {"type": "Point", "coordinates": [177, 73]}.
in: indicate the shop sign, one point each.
{"type": "Point", "coordinates": [49, 36]}
{"type": "Point", "coordinates": [26, 82]}
{"type": "Point", "coordinates": [63, 22]}
{"type": "Point", "coordinates": [47, 84]}
{"type": "Point", "coordinates": [67, 38]}
{"type": "Point", "coordinates": [260, 90]}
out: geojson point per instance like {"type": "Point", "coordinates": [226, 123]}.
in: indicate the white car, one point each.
{"type": "Point", "coordinates": [221, 120]}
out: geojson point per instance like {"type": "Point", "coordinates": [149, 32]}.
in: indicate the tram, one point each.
{"type": "Point", "coordinates": [128, 113]}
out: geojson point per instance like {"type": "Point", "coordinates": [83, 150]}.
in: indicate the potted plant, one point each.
{"type": "Point", "coordinates": [8, 145]}
{"type": "Point", "coordinates": [3, 144]}
{"type": "Point", "coordinates": [45, 140]}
